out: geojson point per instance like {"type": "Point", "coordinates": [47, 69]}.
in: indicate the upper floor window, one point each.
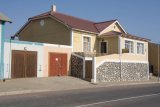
{"type": "Point", "coordinates": [86, 44]}
{"type": "Point", "coordinates": [140, 48]}
{"type": "Point", "coordinates": [129, 45]}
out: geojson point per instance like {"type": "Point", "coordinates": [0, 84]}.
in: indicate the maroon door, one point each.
{"type": "Point", "coordinates": [58, 64]}
{"type": "Point", "coordinates": [24, 64]}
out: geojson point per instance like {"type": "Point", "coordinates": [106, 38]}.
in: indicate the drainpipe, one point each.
{"type": "Point", "coordinates": [10, 55]}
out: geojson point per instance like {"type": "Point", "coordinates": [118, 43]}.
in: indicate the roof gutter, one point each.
{"type": "Point", "coordinates": [17, 33]}
{"type": "Point", "coordinates": [85, 31]}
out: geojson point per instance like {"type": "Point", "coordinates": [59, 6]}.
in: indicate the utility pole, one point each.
{"type": "Point", "coordinates": [158, 61]}
{"type": "Point", "coordinates": [120, 57]}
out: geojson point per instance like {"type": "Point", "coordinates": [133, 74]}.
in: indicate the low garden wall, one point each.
{"type": "Point", "coordinates": [116, 68]}
{"type": "Point", "coordinates": [116, 71]}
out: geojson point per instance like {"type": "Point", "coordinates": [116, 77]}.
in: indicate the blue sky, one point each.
{"type": "Point", "coordinates": [138, 17]}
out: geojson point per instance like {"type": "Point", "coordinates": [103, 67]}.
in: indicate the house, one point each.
{"type": "Point", "coordinates": [3, 20]}
{"type": "Point", "coordinates": [100, 51]}
{"type": "Point", "coordinates": [56, 44]}
{"type": "Point", "coordinates": [154, 58]}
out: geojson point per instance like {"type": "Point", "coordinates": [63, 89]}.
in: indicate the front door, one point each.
{"type": "Point", "coordinates": [58, 64]}
{"type": "Point", "coordinates": [103, 46]}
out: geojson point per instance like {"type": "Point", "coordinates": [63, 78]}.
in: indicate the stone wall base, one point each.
{"type": "Point", "coordinates": [76, 66]}
{"type": "Point", "coordinates": [116, 71]}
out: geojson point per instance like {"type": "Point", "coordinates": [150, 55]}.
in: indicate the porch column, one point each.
{"type": "Point", "coordinates": [94, 72]}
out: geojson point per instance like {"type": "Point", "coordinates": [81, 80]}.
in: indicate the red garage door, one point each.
{"type": "Point", "coordinates": [57, 64]}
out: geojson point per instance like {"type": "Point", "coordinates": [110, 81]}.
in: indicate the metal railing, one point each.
{"type": "Point", "coordinates": [90, 54]}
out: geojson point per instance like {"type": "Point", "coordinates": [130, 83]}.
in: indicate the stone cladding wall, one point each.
{"type": "Point", "coordinates": [116, 71]}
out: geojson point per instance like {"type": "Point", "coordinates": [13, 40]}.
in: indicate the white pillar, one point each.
{"type": "Point", "coordinates": [94, 72]}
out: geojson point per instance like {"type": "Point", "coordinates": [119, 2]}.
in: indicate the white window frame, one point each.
{"type": "Point", "coordinates": [130, 46]}
{"type": "Point", "coordinates": [83, 42]}
{"type": "Point", "coordinates": [143, 48]}
{"type": "Point", "coordinates": [106, 45]}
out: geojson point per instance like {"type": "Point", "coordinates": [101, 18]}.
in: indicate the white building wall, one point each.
{"type": "Point", "coordinates": [0, 37]}
{"type": "Point", "coordinates": [0, 30]}
{"type": "Point", "coordinates": [22, 46]}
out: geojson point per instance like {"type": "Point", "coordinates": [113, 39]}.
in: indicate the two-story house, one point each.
{"type": "Point", "coordinates": [101, 51]}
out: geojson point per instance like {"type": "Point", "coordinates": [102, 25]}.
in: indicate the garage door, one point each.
{"type": "Point", "coordinates": [24, 64]}
{"type": "Point", "coordinates": [58, 64]}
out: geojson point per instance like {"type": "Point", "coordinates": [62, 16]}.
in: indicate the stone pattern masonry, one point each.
{"type": "Point", "coordinates": [116, 71]}
{"type": "Point", "coordinates": [76, 66]}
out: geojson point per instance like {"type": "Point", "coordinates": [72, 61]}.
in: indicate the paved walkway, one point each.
{"type": "Point", "coordinates": [29, 85]}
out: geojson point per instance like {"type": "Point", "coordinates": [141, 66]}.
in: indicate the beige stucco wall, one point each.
{"type": "Point", "coordinates": [124, 57]}
{"type": "Point", "coordinates": [112, 57]}
{"type": "Point", "coordinates": [56, 49]}
{"type": "Point", "coordinates": [112, 27]}
{"type": "Point", "coordinates": [134, 56]}
{"type": "Point", "coordinates": [153, 57]}
{"type": "Point", "coordinates": [78, 41]}
{"type": "Point", "coordinates": [52, 32]}
{"type": "Point", "coordinates": [112, 44]}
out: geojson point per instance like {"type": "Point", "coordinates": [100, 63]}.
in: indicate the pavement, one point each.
{"type": "Point", "coordinates": [35, 85]}
{"type": "Point", "coordinates": [144, 95]}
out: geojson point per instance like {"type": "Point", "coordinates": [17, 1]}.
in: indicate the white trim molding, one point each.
{"type": "Point", "coordinates": [88, 58]}
{"type": "Point", "coordinates": [120, 26]}
{"type": "Point", "coordinates": [56, 45]}
{"type": "Point", "coordinates": [83, 42]}
{"type": "Point", "coordinates": [97, 65]}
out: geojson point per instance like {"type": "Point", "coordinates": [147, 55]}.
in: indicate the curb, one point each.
{"type": "Point", "coordinates": [21, 92]}
{"type": "Point", "coordinates": [111, 85]}
{"type": "Point", "coordinates": [92, 86]}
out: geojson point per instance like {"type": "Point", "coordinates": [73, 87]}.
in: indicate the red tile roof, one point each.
{"type": "Point", "coordinates": [115, 33]}
{"type": "Point", "coordinates": [86, 25]}
{"type": "Point", "coordinates": [77, 23]}
{"type": "Point", "coordinates": [102, 25]}
{"type": "Point", "coordinates": [136, 37]}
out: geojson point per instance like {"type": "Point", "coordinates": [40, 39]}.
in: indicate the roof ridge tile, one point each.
{"type": "Point", "coordinates": [75, 17]}
{"type": "Point", "coordinates": [106, 21]}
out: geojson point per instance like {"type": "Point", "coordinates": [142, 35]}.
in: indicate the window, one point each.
{"type": "Point", "coordinates": [41, 22]}
{"type": "Point", "coordinates": [140, 48]}
{"type": "Point", "coordinates": [129, 45]}
{"type": "Point", "coordinates": [87, 44]}
{"type": "Point", "coordinates": [103, 47]}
